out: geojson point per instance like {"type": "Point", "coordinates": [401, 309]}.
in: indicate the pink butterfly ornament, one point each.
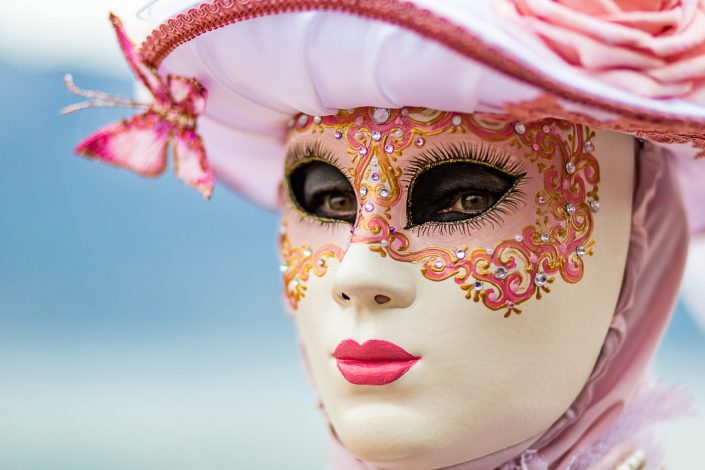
{"type": "Point", "coordinates": [142, 143]}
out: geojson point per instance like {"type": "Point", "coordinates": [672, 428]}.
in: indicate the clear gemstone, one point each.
{"type": "Point", "coordinates": [540, 279]}
{"type": "Point", "coordinates": [404, 112]}
{"type": "Point", "coordinates": [398, 134]}
{"type": "Point", "coordinates": [500, 273]}
{"type": "Point", "coordinates": [570, 208]}
{"type": "Point", "coordinates": [489, 251]}
{"type": "Point", "coordinates": [389, 148]}
{"type": "Point", "coordinates": [294, 283]}
{"type": "Point", "coordinates": [542, 199]}
{"type": "Point", "coordinates": [303, 120]}
{"type": "Point", "coordinates": [307, 252]}
{"type": "Point", "coordinates": [518, 238]}
{"type": "Point", "coordinates": [457, 120]}
{"type": "Point", "coordinates": [580, 250]}
{"type": "Point", "coordinates": [419, 142]}
{"type": "Point", "coordinates": [369, 207]}
{"type": "Point", "coordinates": [520, 128]}
{"type": "Point", "coordinates": [477, 285]}
{"type": "Point", "coordinates": [283, 267]}
{"type": "Point", "coordinates": [338, 135]}
{"type": "Point", "coordinates": [362, 151]}
{"type": "Point", "coordinates": [317, 119]}
{"type": "Point", "coordinates": [547, 129]}
{"type": "Point", "coordinates": [358, 135]}
{"type": "Point", "coordinates": [375, 176]}
{"type": "Point", "coordinates": [594, 206]}
{"type": "Point", "coordinates": [363, 191]}
{"type": "Point", "coordinates": [588, 146]}
{"type": "Point", "coordinates": [535, 147]}
{"type": "Point", "coordinates": [320, 262]}
{"type": "Point", "coordinates": [460, 254]}
{"type": "Point", "coordinates": [380, 115]}
{"type": "Point", "coordinates": [383, 243]}
{"type": "Point", "coordinates": [376, 135]}
{"type": "Point", "coordinates": [438, 263]}
{"type": "Point", "coordinates": [544, 238]}
{"type": "Point", "coordinates": [570, 168]}
{"type": "Point", "coordinates": [383, 193]}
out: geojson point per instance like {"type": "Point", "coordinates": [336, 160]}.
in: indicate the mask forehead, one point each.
{"type": "Point", "coordinates": [499, 261]}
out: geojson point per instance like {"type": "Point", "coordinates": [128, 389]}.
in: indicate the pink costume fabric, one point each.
{"type": "Point", "coordinates": [620, 386]}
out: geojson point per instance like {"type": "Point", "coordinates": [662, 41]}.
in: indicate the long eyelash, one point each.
{"type": "Point", "coordinates": [481, 153]}
{"type": "Point", "coordinates": [303, 152]}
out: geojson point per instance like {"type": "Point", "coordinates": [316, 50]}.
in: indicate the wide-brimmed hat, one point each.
{"type": "Point", "coordinates": [637, 68]}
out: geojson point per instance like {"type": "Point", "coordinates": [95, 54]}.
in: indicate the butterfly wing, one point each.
{"type": "Point", "coordinates": [146, 75]}
{"type": "Point", "coordinates": [188, 94]}
{"type": "Point", "coordinates": [138, 143]}
{"type": "Point", "coordinates": [190, 162]}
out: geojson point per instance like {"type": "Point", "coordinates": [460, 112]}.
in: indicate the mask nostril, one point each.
{"type": "Point", "coordinates": [345, 296]}
{"type": "Point", "coordinates": [381, 299]}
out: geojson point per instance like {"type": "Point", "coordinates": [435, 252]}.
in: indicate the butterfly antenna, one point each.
{"type": "Point", "coordinates": [98, 98]}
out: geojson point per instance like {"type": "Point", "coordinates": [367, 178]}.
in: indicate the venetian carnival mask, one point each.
{"type": "Point", "coordinates": [452, 276]}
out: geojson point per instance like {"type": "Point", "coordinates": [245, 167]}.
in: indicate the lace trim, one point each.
{"type": "Point", "coordinates": [662, 127]}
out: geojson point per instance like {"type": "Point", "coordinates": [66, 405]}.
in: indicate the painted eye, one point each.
{"type": "Point", "coordinates": [321, 190]}
{"type": "Point", "coordinates": [456, 191]}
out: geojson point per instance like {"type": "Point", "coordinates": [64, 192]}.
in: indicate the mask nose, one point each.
{"type": "Point", "coordinates": [367, 281]}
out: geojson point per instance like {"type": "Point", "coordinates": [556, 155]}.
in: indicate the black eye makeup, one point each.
{"type": "Point", "coordinates": [461, 186]}
{"type": "Point", "coordinates": [317, 187]}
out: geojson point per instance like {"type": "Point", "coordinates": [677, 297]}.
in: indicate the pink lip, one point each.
{"type": "Point", "coordinates": [376, 362]}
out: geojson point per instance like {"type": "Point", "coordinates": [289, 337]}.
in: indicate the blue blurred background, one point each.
{"type": "Point", "coordinates": [142, 328]}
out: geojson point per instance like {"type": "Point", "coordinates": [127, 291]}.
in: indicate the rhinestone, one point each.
{"type": "Point", "coordinates": [294, 283]}
{"type": "Point", "coordinates": [419, 142]}
{"type": "Point", "coordinates": [594, 206]}
{"type": "Point", "coordinates": [540, 279]}
{"type": "Point", "coordinates": [389, 148]}
{"type": "Point", "coordinates": [547, 129]}
{"type": "Point", "coordinates": [588, 146]}
{"type": "Point", "coordinates": [369, 207]}
{"type": "Point", "coordinates": [380, 115]}
{"type": "Point", "coordinates": [500, 273]}
{"type": "Point", "coordinates": [544, 238]}
{"type": "Point", "coordinates": [375, 176]}
{"type": "Point", "coordinates": [358, 135]}
{"type": "Point", "coordinates": [535, 147]}
{"type": "Point", "coordinates": [570, 208]}
{"type": "Point", "coordinates": [307, 252]}
{"type": "Point", "coordinates": [460, 254]}
{"type": "Point", "coordinates": [392, 229]}
{"type": "Point", "coordinates": [477, 285]}
{"type": "Point", "coordinates": [363, 191]}
{"type": "Point", "coordinates": [338, 135]}
{"type": "Point", "coordinates": [519, 128]}
{"type": "Point", "coordinates": [303, 120]}
{"type": "Point", "coordinates": [283, 267]}
{"type": "Point", "coordinates": [362, 151]}
{"type": "Point", "coordinates": [580, 250]}
{"type": "Point", "coordinates": [570, 168]}
{"type": "Point", "coordinates": [383, 193]}
{"type": "Point", "coordinates": [404, 112]}
{"type": "Point", "coordinates": [317, 119]}
{"type": "Point", "coordinates": [376, 135]}
{"type": "Point", "coordinates": [320, 262]}
{"type": "Point", "coordinates": [398, 134]}
{"type": "Point", "coordinates": [352, 229]}
{"type": "Point", "coordinates": [457, 120]}
{"type": "Point", "coordinates": [383, 243]}
{"type": "Point", "coordinates": [489, 251]}
{"type": "Point", "coordinates": [542, 199]}
{"type": "Point", "coordinates": [438, 263]}
{"type": "Point", "coordinates": [518, 238]}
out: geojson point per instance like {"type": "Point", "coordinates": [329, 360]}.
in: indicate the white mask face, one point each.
{"type": "Point", "coordinates": [452, 277]}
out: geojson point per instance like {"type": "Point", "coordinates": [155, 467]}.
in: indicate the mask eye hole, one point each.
{"type": "Point", "coordinates": [457, 191]}
{"type": "Point", "coordinates": [320, 190]}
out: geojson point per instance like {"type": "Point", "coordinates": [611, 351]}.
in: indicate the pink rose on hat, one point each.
{"type": "Point", "coordinates": [655, 48]}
